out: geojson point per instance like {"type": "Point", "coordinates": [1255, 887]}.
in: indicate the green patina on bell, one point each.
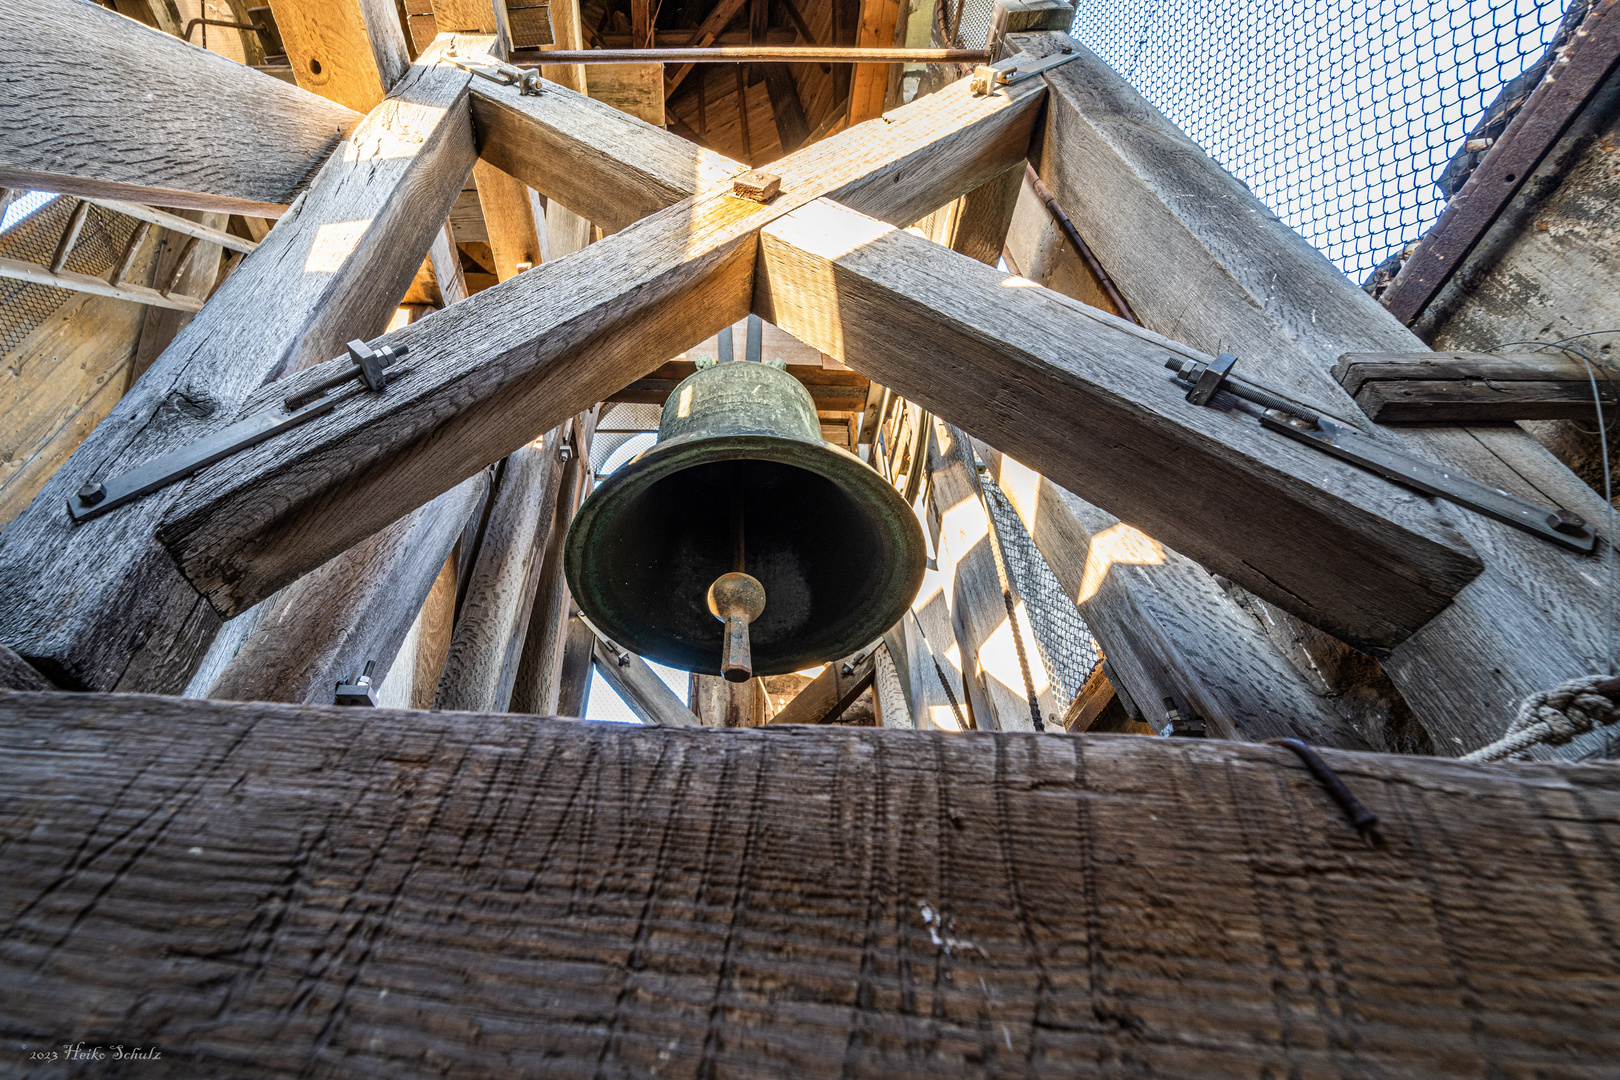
{"type": "Point", "coordinates": [741, 486]}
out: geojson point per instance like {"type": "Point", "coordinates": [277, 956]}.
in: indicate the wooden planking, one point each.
{"type": "Point", "coordinates": [960, 526]}
{"type": "Point", "coordinates": [870, 82]}
{"type": "Point", "coordinates": [271, 890]}
{"type": "Point", "coordinates": [348, 51]}
{"type": "Point", "coordinates": [1084, 397]}
{"type": "Point", "coordinates": [719, 15]}
{"type": "Point", "coordinates": [102, 605]}
{"type": "Point", "coordinates": [359, 606]}
{"type": "Point", "coordinates": [637, 89]}
{"type": "Point", "coordinates": [648, 696]}
{"type": "Point", "coordinates": [830, 693]}
{"type": "Point", "coordinates": [1450, 388]}
{"type": "Point", "coordinates": [1167, 628]}
{"type": "Point", "coordinates": [549, 343]}
{"type": "Point", "coordinates": [1203, 261]}
{"type": "Point", "coordinates": [499, 597]}
{"type": "Point", "coordinates": [96, 137]}
{"type": "Point", "coordinates": [601, 163]}
{"type": "Point", "coordinates": [56, 386]}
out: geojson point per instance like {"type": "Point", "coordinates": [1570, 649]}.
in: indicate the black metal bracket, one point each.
{"type": "Point", "coordinates": [1278, 414]}
{"type": "Point", "coordinates": [97, 497]}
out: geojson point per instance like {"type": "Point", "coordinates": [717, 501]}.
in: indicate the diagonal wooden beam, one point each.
{"type": "Point", "coordinates": [599, 162]}
{"type": "Point", "coordinates": [97, 604]}
{"type": "Point", "coordinates": [722, 13]}
{"type": "Point", "coordinates": [1204, 261]}
{"type": "Point", "coordinates": [152, 120]}
{"type": "Point", "coordinates": [490, 374]}
{"type": "Point", "coordinates": [1084, 397]}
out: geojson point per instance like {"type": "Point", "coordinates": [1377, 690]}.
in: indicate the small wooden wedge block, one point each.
{"type": "Point", "coordinates": [759, 186]}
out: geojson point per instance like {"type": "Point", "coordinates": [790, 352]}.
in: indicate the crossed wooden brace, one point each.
{"type": "Point", "coordinates": [1075, 393]}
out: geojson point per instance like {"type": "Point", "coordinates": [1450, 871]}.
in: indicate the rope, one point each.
{"type": "Point", "coordinates": [1554, 717]}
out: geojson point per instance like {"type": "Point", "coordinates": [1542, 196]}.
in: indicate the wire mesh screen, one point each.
{"type": "Point", "coordinates": [23, 305]}
{"type": "Point", "coordinates": [1067, 649]}
{"type": "Point", "coordinates": [1341, 115]}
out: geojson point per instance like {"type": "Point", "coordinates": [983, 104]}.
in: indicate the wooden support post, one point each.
{"type": "Point", "coordinates": [719, 703]}
{"type": "Point", "coordinates": [1168, 224]}
{"type": "Point", "coordinates": [574, 685]}
{"type": "Point", "coordinates": [566, 31]}
{"type": "Point", "coordinates": [548, 344]}
{"type": "Point", "coordinates": [888, 691]}
{"type": "Point", "coordinates": [973, 588]}
{"type": "Point", "coordinates": [325, 627]}
{"type": "Point", "coordinates": [348, 51]}
{"type": "Point", "coordinates": [338, 274]}
{"type": "Point", "coordinates": [831, 692]}
{"type": "Point", "coordinates": [1217, 884]}
{"type": "Point", "coordinates": [961, 339]}
{"type": "Point", "coordinates": [542, 668]}
{"type": "Point", "coordinates": [1473, 388]}
{"type": "Point", "coordinates": [493, 620]}
{"type": "Point", "coordinates": [96, 136]}
{"type": "Point", "coordinates": [646, 694]}
{"type": "Point", "coordinates": [870, 82]}
{"type": "Point", "coordinates": [514, 218]}
{"type": "Point", "coordinates": [427, 644]}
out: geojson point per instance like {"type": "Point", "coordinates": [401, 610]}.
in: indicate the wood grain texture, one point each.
{"type": "Point", "coordinates": [604, 164]}
{"type": "Point", "coordinates": [57, 385]}
{"type": "Point", "coordinates": [1203, 261]}
{"type": "Point", "coordinates": [512, 218]}
{"type": "Point", "coordinates": [348, 51]}
{"type": "Point", "coordinates": [1167, 628]}
{"type": "Point", "coordinates": [161, 123]}
{"type": "Point", "coordinates": [542, 668]}
{"type": "Point", "coordinates": [824, 700]}
{"type": "Point", "coordinates": [1451, 388]}
{"type": "Point", "coordinates": [499, 598]}
{"type": "Point", "coordinates": [1084, 397]}
{"type": "Point", "coordinates": [100, 605]}
{"type": "Point", "coordinates": [18, 674]}
{"type": "Point", "coordinates": [197, 278]}
{"type": "Point", "coordinates": [274, 890]}
{"type": "Point", "coordinates": [434, 625]}
{"type": "Point", "coordinates": [648, 696]}
{"type": "Point", "coordinates": [490, 374]}
{"type": "Point", "coordinates": [637, 89]}
{"type": "Point", "coordinates": [324, 627]}
{"type": "Point", "coordinates": [574, 682]}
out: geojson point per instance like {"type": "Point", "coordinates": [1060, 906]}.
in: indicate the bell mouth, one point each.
{"type": "Point", "coordinates": [839, 552]}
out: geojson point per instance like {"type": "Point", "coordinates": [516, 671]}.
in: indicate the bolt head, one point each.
{"type": "Point", "coordinates": [92, 492]}
{"type": "Point", "coordinates": [1563, 521]}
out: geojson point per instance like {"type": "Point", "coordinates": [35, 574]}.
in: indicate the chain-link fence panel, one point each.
{"type": "Point", "coordinates": [1068, 649]}
{"type": "Point", "coordinates": [1351, 119]}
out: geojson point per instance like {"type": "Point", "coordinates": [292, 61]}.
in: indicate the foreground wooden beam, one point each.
{"type": "Point", "coordinates": [1083, 396]}
{"type": "Point", "coordinates": [599, 162]}
{"type": "Point", "coordinates": [1169, 224]}
{"type": "Point", "coordinates": [490, 374]}
{"type": "Point", "coordinates": [384, 893]}
{"type": "Point", "coordinates": [1473, 388]}
{"type": "Point", "coordinates": [98, 605]}
{"type": "Point", "coordinates": [151, 119]}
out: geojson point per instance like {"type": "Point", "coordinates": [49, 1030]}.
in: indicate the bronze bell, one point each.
{"type": "Point", "coordinates": [741, 532]}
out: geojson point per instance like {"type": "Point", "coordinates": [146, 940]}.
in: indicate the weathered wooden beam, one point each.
{"type": "Point", "coordinates": [1169, 224]}
{"type": "Point", "coordinates": [647, 695]}
{"type": "Point", "coordinates": [348, 51]}
{"type": "Point", "coordinates": [1166, 626]}
{"type": "Point", "coordinates": [636, 89]}
{"type": "Point", "coordinates": [994, 673]}
{"type": "Point", "coordinates": [549, 343]}
{"type": "Point", "coordinates": [175, 223]}
{"type": "Point", "coordinates": [792, 129]}
{"type": "Point", "coordinates": [493, 620]}
{"type": "Point", "coordinates": [132, 131]}
{"type": "Point", "coordinates": [1460, 388]}
{"type": "Point", "coordinates": [574, 684]}
{"type": "Point", "coordinates": [514, 218]}
{"type": "Point", "coordinates": [18, 674]}
{"type": "Point", "coordinates": [869, 82]}
{"type": "Point", "coordinates": [358, 607]}
{"type": "Point", "coordinates": [17, 270]}
{"type": "Point", "coordinates": [1244, 929]}
{"type": "Point", "coordinates": [1084, 397]}
{"type": "Point", "coordinates": [831, 692]}
{"type": "Point", "coordinates": [599, 162]}
{"type": "Point", "coordinates": [335, 274]}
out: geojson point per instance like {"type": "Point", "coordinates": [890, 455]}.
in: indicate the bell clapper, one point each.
{"type": "Point", "coordinates": [736, 599]}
